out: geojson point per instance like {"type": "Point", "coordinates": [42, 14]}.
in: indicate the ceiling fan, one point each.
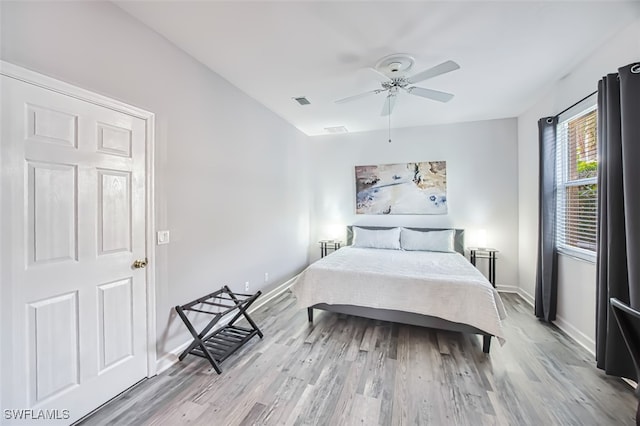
{"type": "Point", "coordinates": [392, 70]}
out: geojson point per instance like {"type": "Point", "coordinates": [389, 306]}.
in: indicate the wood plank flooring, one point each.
{"type": "Point", "coordinates": [347, 370]}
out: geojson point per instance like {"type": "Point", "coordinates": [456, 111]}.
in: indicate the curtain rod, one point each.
{"type": "Point", "coordinates": [572, 105]}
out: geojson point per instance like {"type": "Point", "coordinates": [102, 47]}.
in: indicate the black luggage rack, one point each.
{"type": "Point", "coordinates": [221, 343]}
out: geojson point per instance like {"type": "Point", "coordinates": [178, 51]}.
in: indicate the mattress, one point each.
{"type": "Point", "coordinates": [443, 285]}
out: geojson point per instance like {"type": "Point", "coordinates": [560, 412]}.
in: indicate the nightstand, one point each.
{"type": "Point", "coordinates": [485, 253]}
{"type": "Point", "coordinates": [326, 245]}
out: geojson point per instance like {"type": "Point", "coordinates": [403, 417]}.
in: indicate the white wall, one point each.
{"type": "Point", "coordinates": [481, 181]}
{"type": "Point", "coordinates": [576, 294]}
{"type": "Point", "coordinates": [230, 175]}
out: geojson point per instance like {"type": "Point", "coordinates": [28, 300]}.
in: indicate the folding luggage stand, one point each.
{"type": "Point", "coordinates": [217, 346]}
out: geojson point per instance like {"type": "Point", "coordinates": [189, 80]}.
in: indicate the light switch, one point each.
{"type": "Point", "coordinates": [163, 237]}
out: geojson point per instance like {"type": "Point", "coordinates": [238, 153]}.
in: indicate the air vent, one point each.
{"type": "Point", "coordinates": [336, 129]}
{"type": "Point", "coordinates": [302, 100]}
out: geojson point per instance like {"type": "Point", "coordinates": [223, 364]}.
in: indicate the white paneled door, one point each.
{"type": "Point", "coordinates": [73, 224]}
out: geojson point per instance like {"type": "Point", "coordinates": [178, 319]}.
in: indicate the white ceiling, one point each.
{"type": "Point", "coordinates": [274, 51]}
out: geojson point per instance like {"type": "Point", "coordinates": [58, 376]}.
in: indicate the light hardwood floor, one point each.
{"type": "Point", "coordinates": [348, 370]}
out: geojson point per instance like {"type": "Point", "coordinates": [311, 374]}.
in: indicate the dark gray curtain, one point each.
{"type": "Point", "coordinates": [618, 262]}
{"type": "Point", "coordinates": [546, 274]}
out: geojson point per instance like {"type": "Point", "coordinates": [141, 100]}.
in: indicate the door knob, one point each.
{"type": "Point", "coordinates": [139, 264]}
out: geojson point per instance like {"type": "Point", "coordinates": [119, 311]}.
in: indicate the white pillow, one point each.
{"type": "Point", "coordinates": [428, 240]}
{"type": "Point", "coordinates": [376, 238]}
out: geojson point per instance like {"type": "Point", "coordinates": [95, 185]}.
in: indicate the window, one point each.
{"type": "Point", "coordinates": [577, 188]}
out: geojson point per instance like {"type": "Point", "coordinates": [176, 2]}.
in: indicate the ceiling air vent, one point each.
{"type": "Point", "coordinates": [336, 129]}
{"type": "Point", "coordinates": [302, 100]}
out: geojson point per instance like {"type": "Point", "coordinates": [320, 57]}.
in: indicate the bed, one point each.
{"type": "Point", "coordinates": [432, 289]}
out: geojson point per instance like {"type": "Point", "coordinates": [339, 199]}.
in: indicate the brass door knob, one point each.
{"type": "Point", "coordinates": [139, 264]}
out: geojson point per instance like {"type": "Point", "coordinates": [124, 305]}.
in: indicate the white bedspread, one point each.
{"type": "Point", "coordinates": [444, 285]}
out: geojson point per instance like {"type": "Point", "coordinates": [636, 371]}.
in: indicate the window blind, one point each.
{"type": "Point", "coordinates": [577, 190]}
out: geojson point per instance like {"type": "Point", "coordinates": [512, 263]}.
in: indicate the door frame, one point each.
{"type": "Point", "coordinates": [23, 74]}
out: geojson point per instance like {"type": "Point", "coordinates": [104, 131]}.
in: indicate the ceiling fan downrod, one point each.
{"type": "Point", "coordinates": [389, 119]}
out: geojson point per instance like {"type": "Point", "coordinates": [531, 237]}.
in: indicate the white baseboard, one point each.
{"type": "Point", "coordinates": [630, 382]}
{"type": "Point", "coordinates": [272, 294]}
{"type": "Point", "coordinates": [517, 290]}
{"type": "Point", "coordinates": [507, 288]}
{"type": "Point", "coordinates": [526, 297]}
{"type": "Point", "coordinates": [576, 335]}
{"type": "Point", "coordinates": [171, 357]}
{"type": "Point", "coordinates": [572, 332]}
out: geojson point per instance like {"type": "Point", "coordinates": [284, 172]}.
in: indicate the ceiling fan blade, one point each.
{"type": "Point", "coordinates": [361, 95]}
{"type": "Point", "coordinates": [430, 94]}
{"type": "Point", "coordinates": [443, 68]}
{"type": "Point", "coordinates": [387, 108]}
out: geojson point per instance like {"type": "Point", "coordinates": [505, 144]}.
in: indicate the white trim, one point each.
{"type": "Point", "coordinates": [23, 74]}
{"type": "Point", "coordinates": [517, 290]}
{"type": "Point", "coordinates": [578, 254]}
{"type": "Point", "coordinates": [576, 335]}
{"type": "Point", "coordinates": [31, 77]}
{"type": "Point", "coordinates": [630, 382]}
{"type": "Point", "coordinates": [581, 108]}
{"type": "Point", "coordinates": [272, 294]}
{"type": "Point", "coordinates": [151, 246]}
{"type": "Point", "coordinates": [563, 181]}
{"type": "Point", "coordinates": [507, 289]}
{"type": "Point", "coordinates": [571, 331]}
{"type": "Point", "coordinates": [171, 357]}
{"type": "Point", "coordinates": [526, 297]}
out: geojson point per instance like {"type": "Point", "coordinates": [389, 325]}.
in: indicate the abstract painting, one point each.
{"type": "Point", "coordinates": [409, 188]}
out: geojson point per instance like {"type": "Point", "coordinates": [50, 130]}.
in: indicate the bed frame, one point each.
{"type": "Point", "coordinates": [400, 316]}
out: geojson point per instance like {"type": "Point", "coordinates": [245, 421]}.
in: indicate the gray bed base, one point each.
{"type": "Point", "coordinates": [405, 317]}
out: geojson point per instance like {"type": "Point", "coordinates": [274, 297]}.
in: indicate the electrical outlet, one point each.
{"type": "Point", "coordinates": [266, 277]}
{"type": "Point", "coordinates": [246, 286]}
